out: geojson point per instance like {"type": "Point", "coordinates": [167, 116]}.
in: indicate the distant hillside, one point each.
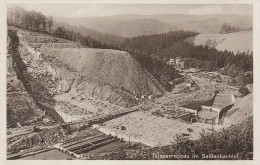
{"type": "Point", "coordinates": [102, 37]}
{"type": "Point", "coordinates": [206, 23]}
{"type": "Point", "coordinates": [139, 27]}
{"type": "Point", "coordinates": [122, 27]}
{"type": "Point", "coordinates": [238, 41]}
{"type": "Point", "coordinates": [143, 24]}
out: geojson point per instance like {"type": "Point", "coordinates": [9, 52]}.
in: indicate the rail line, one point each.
{"type": "Point", "coordinates": [95, 120]}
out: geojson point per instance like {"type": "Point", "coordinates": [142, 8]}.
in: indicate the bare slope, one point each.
{"type": "Point", "coordinates": [106, 67]}
{"type": "Point", "coordinates": [242, 110]}
{"type": "Point", "coordinates": [20, 105]}
{"type": "Point", "coordinates": [63, 69]}
{"type": "Point", "coordinates": [239, 41]}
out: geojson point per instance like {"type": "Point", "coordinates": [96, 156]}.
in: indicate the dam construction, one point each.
{"type": "Point", "coordinates": [75, 94]}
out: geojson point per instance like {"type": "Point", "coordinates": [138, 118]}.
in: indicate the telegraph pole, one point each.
{"type": "Point", "coordinates": [129, 140]}
{"type": "Point", "coordinates": [80, 148]}
{"type": "Point", "coordinates": [210, 85]}
{"type": "Point", "coordinates": [212, 124]}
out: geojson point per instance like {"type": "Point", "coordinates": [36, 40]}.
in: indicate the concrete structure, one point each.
{"type": "Point", "coordinates": [212, 114]}
{"type": "Point", "coordinates": [193, 70]}
{"type": "Point", "coordinates": [188, 110]}
{"type": "Point", "coordinates": [189, 83]}
{"type": "Point", "coordinates": [204, 112]}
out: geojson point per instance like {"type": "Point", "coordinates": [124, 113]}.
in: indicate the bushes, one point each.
{"type": "Point", "coordinates": [235, 140]}
{"type": "Point", "coordinates": [244, 91]}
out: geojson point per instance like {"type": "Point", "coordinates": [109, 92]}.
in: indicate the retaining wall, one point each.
{"type": "Point", "coordinates": [186, 117]}
{"type": "Point", "coordinates": [224, 110]}
{"type": "Point", "coordinates": [189, 110]}
{"type": "Point", "coordinates": [197, 104]}
{"type": "Point", "coordinates": [50, 112]}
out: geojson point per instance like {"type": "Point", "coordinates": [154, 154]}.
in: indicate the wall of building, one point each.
{"type": "Point", "coordinates": [189, 110]}
{"type": "Point", "coordinates": [197, 104]}
{"type": "Point", "coordinates": [186, 117]}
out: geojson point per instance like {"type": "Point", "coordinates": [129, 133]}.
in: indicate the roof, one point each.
{"type": "Point", "coordinates": [189, 81]}
{"type": "Point", "coordinates": [225, 76]}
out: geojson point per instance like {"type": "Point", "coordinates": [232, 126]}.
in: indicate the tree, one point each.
{"type": "Point", "coordinates": [226, 28]}
{"type": "Point", "coordinates": [49, 23]}
{"type": "Point", "coordinates": [60, 32]}
{"type": "Point", "coordinates": [244, 91]}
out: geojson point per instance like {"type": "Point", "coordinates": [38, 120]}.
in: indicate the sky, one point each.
{"type": "Point", "coordinates": [99, 10]}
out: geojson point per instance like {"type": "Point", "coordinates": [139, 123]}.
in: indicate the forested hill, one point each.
{"type": "Point", "coordinates": [147, 44]}
{"type": "Point", "coordinates": [38, 22]}
{"type": "Point", "coordinates": [126, 27]}
{"type": "Point", "coordinates": [146, 50]}
{"type": "Point", "coordinates": [121, 24]}
{"type": "Point", "coordinates": [170, 45]}
{"type": "Point", "coordinates": [102, 37]}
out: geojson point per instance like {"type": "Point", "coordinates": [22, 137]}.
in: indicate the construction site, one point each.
{"type": "Point", "coordinates": [90, 112]}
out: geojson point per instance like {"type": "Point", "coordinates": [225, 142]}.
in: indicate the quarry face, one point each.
{"type": "Point", "coordinates": [80, 83]}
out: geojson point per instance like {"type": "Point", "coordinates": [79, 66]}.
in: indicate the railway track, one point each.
{"type": "Point", "coordinates": [95, 120]}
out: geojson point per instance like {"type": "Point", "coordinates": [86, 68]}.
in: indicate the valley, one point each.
{"type": "Point", "coordinates": [128, 86]}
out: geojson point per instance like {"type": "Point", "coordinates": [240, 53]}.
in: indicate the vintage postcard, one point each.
{"type": "Point", "coordinates": [139, 80]}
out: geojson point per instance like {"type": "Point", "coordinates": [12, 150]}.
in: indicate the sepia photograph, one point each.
{"type": "Point", "coordinates": [137, 81]}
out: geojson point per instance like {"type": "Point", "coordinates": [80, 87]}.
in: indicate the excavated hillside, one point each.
{"type": "Point", "coordinates": [63, 76]}
{"type": "Point", "coordinates": [21, 107]}
{"type": "Point", "coordinates": [105, 67]}
{"type": "Point", "coordinates": [241, 111]}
